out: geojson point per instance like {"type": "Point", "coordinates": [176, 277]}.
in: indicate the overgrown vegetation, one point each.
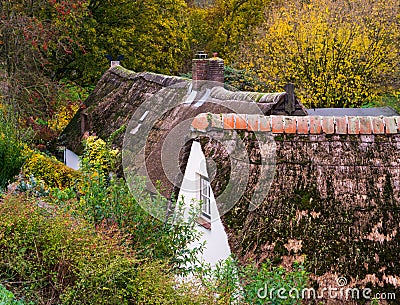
{"type": "Point", "coordinates": [337, 53]}
{"type": "Point", "coordinates": [80, 237]}
{"type": "Point", "coordinates": [7, 297]}
{"type": "Point", "coordinates": [50, 171]}
{"type": "Point", "coordinates": [233, 283]}
{"type": "Point", "coordinates": [11, 147]}
{"type": "Point", "coordinates": [89, 237]}
{"type": "Point", "coordinates": [54, 256]}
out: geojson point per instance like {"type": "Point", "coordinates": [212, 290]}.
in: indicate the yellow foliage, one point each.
{"type": "Point", "coordinates": [61, 119]}
{"type": "Point", "coordinates": [99, 155]}
{"type": "Point", "coordinates": [338, 53]}
{"type": "Point", "coordinates": [52, 172]}
{"type": "Point", "coordinates": [222, 26]}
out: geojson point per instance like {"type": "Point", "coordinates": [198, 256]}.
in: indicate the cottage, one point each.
{"type": "Point", "coordinates": [274, 180]}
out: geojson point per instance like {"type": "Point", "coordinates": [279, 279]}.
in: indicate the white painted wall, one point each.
{"type": "Point", "coordinates": [216, 240]}
{"type": "Point", "coordinates": [71, 159]}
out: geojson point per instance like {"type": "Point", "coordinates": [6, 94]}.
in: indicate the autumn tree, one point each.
{"type": "Point", "coordinates": [338, 53]}
{"type": "Point", "coordinates": [222, 25]}
{"type": "Point", "coordinates": [38, 40]}
{"type": "Point", "coordinates": [151, 34]}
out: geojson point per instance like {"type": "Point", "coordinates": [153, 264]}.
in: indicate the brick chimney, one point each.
{"type": "Point", "coordinates": [211, 69]}
{"type": "Point", "coordinates": [216, 69]}
{"type": "Point", "coordinates": [200, 66]}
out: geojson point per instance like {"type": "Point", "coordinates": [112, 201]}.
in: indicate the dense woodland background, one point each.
{"type": "Point", "coordinates": [66, 234]}
{"type": "Point", "coordinates": [339, 53]}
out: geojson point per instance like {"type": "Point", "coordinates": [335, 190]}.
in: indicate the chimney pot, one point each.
{"type": "Point", "coordinates": [115, 63]}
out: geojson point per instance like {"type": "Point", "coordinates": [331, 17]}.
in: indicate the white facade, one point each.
{"type": "Point", "coordinates": [215, 238]}
{"type": "Point", "coordinates": [71, 159]}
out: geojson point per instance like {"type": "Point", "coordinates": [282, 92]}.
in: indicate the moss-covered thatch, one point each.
{"type": "Point", "coordinates": [334, 199]}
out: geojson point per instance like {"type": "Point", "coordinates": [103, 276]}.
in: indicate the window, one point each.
{"type": "Point", "coordinates": [205, 197]}
{"type": "Point", "coordinates": [84, 121]}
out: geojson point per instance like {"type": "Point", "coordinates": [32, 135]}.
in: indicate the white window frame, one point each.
{"type": "Point", "coordinates": [205, 197]}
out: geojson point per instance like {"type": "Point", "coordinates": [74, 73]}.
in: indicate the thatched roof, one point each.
{"type": "Point", "coordinates": [120, 93]}
{"type": "Point", "coordinates": [335, 196]}
{"type": "Point", "coordinates": [114, 100]}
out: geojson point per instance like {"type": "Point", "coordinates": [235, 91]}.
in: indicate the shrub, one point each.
{"type": "Point", "coordinates": [31, 187]}
{"type": "Point", "coordinates": [106, 202]}
{"type": "Point", "coordinates": [69, 98]}
{"type": "Point", "coordinates": [99, 155]}
{"type": "Point", "coordinates": [243, 80]}
{"type": "Point", "coordinates": [52, 172]}
{"type": "Point", "coordinates": [248, 284]}
{"type": "Point", "coordinates": [51, 256]}
{"type": "Point", "coordinates": [7, 297]}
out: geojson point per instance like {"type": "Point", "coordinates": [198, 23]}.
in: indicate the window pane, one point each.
{"type": "Point", "coordinates": [205, 193]}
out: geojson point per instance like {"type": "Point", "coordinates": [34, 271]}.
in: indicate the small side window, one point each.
{"type": "Point", "coordinates": [84, 122]}
{"type": "Point", "coordinates": [205, 198]}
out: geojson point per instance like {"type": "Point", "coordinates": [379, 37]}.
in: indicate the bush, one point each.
{"type": "Point", "coordinates": [53, 256]}
{"type": "Point", "coordinates": [243, 80]}
{"type": "Point", "coordinates": [52, 172]}
{"type": "Point", "coordinates": [70, 98]}
{"type": "Point", "coordinates": [7, 297]}
{"type": "Point", "coordinates": [233, 283]}
{"type": "Point", "coordinates": [99, 156]}
{"type": "Point", "coordinates": [105, 201]}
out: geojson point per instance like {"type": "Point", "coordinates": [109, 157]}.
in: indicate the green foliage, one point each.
{"type": "Point", "coordinates": [268, 280]}
{"type": "Point", "coordinates": [99, 155]}
{"type": "Point", "coordinates": [237, 284]}
{"type": "Point", "coordinates": [151, 34]}
{"type": "Point", "coordinates": [7, 297]}
{"type": "Point", "coordinates": [69, 99]}
{"type": "Point", "coordinates": [11, 148]}
{"type": "Point", "coordinates": [53, 256]}
{"type": "Point", "coordinates": [224, 25]}
{"type": "Point", "coordinates": [104, 200]}
{"type": "Point", "coordinates": [49, 170]}
{"type": "Point", "coordinates": [243, 80]}
{"type": "Point", "coordinates": [337, 53]}
{"type": "Point", "coordinates": [32, 187]}
{"type": "Point", "coordinates": [391, 100]}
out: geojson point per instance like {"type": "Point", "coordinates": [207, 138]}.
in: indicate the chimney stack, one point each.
{"type": "Point", "coordinates": [114, 63]}
{"type": "Point", "coordinates": [200, 66]}
{"type": "Point", "coordinates": [207, 69]}
{"type": "Point", "coordinates": [216, 69]}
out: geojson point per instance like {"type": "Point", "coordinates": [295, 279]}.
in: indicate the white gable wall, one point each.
{"type": "Point", "coordinates": [71, 159]}
{"type": "Point", "coordinates": [216, 240]}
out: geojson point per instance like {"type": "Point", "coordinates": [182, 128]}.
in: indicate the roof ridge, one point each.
{"type": "Point", "coordinates": [351, 125]}
{"type": "Point", "coordinates": [157, 78]}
